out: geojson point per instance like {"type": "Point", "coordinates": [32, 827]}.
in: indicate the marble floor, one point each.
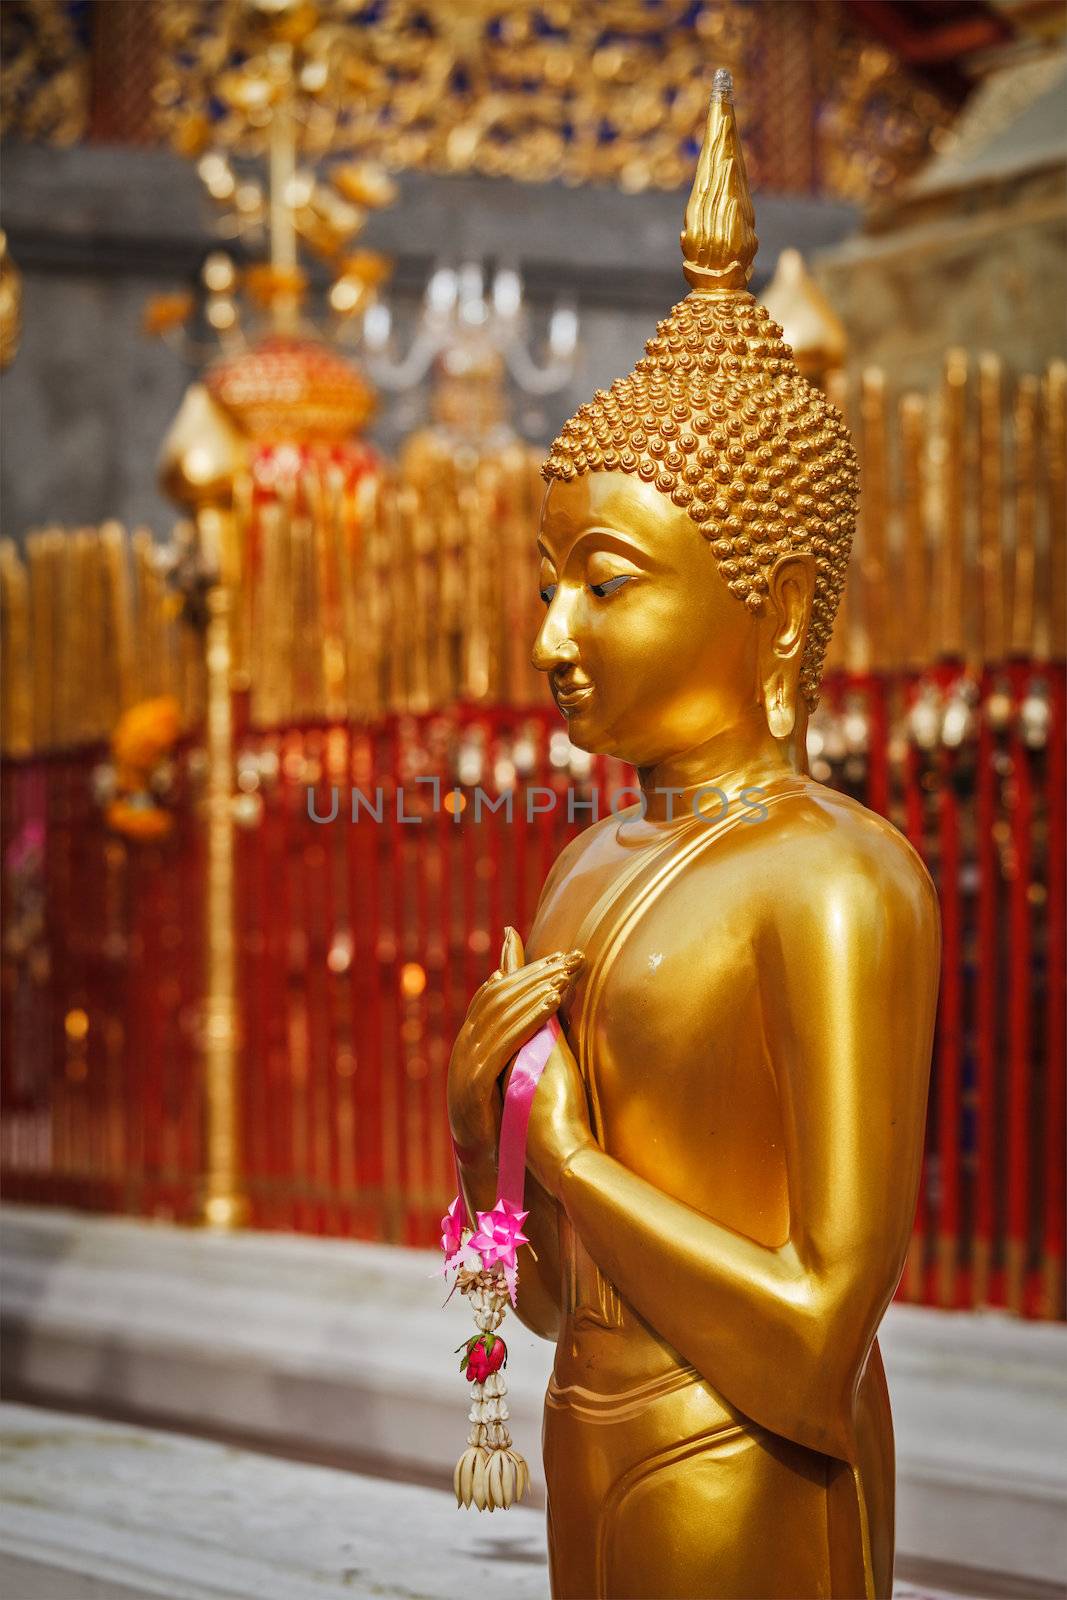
{"type": "Point", "coordinates": [269, 1434]}
{"type": "Point", "coordinates": [96, 1510]}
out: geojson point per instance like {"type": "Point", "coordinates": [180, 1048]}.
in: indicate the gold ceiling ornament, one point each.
{"type": "Point", "coordinates": [270, 69]}
{"type": "Point", "coordinates": [878, 123]}
{"type": "Point", "coordinates": [276, 383]}
{"type": "Point", "coordinates": [248, 78]}
{"type": "Point", "coordinates": [44, 71]}
{"type": "Point", "coordinates": [608, 92]}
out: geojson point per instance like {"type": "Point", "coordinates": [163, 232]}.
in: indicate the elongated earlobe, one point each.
{"type": "Point", "coordinates": [779, 705]}
{"type": "Point", "coordinates": [789, 597]}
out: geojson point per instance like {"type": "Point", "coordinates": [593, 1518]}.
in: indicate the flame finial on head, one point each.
{"type": "Point", "coordinates": [719, 238]}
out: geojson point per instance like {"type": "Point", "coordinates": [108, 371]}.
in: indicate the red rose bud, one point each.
{"type": "Point", "coordinates": [479, 1364]}
{"type": "Point", "coordinates": [485, 1354]}
{"type": "Point", "coordinates": [496, 1355]}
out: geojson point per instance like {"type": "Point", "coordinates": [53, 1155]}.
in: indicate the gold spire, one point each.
{"type": "Point", "coordinates": [719, 238]}
{"type": "Point", "coordinates": [810, 325]}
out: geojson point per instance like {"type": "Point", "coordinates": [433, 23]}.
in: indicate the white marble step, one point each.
{"type": "Point", "coordinates": [95, 1510]}
{"type": "Point", "coordinates": [341, 1347]}
{"type": "Point", "coordinates": [105, 1511]}
{"type": "Point", "coordinates": [345, 1350]}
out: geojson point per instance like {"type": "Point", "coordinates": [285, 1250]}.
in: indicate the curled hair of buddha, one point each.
{"type": "Point", "coordinates": [716, 415]}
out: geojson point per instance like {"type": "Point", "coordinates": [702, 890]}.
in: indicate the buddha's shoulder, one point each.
{"type": "Point", "coordinates": [817, 844]}
{"type": "Point", "coordinates": [590, 843]}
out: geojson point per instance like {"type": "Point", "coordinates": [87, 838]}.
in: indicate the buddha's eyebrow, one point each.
{"type": "Point", "coordinates": [604, 539]}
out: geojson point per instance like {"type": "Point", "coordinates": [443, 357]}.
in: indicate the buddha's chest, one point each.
{"type": "Point", "coordinates": [667, 1026]}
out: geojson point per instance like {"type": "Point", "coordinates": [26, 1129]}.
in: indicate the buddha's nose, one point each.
{"type": "Point", "coordinates": [553, 646]}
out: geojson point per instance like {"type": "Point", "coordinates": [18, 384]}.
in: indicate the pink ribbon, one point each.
{"type": "Point", "coordinates": [499, 1232]}
{"type": "Point", "coordinates": [530, 1063]}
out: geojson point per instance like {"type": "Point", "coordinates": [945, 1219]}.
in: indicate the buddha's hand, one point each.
{"type": "Point", "coordinates": [559, 1119]}
{"type": "Point", "coordinates": [507, 1010]}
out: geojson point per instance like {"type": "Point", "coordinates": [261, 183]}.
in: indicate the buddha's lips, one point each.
{"type": "Point", "coordinates": [568, 699]}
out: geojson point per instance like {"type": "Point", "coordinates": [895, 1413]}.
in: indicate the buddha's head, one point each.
{"type": "Point", "coordinates": [699, 515]}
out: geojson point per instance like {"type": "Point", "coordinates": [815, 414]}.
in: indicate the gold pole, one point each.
{"type": "Point", "coordinates": [141, 545]}
{"type": "Point", "coordinates": [117, 582]}
{"type": "Point", "coordinates": [348, 620]}
{"type": "Point", "coordinates": [877, 624]}
{"type": "Point", "coordinates": [378, 568]}
{"type": "Point", "coordinates": [1056, 440]}
{"type": "Point", "coordinates": [990, 510]}
{"type": "Point", "coordinates": [223, 1204]}
{"type": "Point", "coordinates": [16, 685]}
{"type": "Point", "coordinates": [307, 657]}
{"type": "Point", "coordinates": [1021, 637]}
{"type": "Point", "coordinates": [283, 249]}
{"type": "Point", "coordinates": [66, 556]}
{"type": "Point", "coordinates": [270, 635]}
{"type": "Point", "coordinates": [88, 706]}
{"type": "Point", "coordinates": [419, 544]}
{"type": "Point", "coordinates": [950, 643]}
{"type": "Point", "coordinates": [40, 549]}
{"type": "Point", "coordinates": [913, 425]}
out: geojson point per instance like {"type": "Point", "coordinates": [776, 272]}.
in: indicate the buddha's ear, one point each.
{"type": "Point", "coordinates": [784, 629]}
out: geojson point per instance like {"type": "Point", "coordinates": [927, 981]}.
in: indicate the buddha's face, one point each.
{"type": "Point", "coordinates": [648, 653]}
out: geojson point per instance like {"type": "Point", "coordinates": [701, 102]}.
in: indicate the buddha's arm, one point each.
{"type": "Point", "coordinates": [539, 1297]}
{"type": "Point", "coordinates": [849, 983]}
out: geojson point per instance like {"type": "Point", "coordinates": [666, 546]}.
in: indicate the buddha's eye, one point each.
{"type": "Point", "coordinates": [609, 586]}
{"type": "Point", "coordinates": [548, 592]}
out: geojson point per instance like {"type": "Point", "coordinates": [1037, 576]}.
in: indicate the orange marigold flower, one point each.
{"type": "Point", "coordinates": [266, 283]}
{"type": "Point", "coordinates": [369, 266]}
{"type": "Point", "coordinates": [145, 822]}
{"type": "Point", "coordinates": [146, 732]}
{"type": "Point", "coordinates": [166, 311]}
{"type": "Point", "coordinates": [364, 184]}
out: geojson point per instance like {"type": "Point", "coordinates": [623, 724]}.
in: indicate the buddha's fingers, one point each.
{"type": "Point", "coordinates": [514, 1027]}
{"type": "Point", "coordinates": [503, 989]}
{"type": "Point", "coordinates": [512, 954]}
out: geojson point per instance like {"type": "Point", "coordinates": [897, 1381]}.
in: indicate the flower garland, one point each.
{"type": "Point", "coordinates": [490, 1473]}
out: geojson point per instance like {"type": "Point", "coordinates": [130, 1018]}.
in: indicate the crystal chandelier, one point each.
{"type": "Point", "coordinates": [461, 310]}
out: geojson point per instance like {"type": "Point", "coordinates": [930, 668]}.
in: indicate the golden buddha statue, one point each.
{"type": "Point", "coordinates": [723, 1155]}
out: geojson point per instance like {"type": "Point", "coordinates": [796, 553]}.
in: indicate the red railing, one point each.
{"type": "Point", "coordinates": [360, 945]}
